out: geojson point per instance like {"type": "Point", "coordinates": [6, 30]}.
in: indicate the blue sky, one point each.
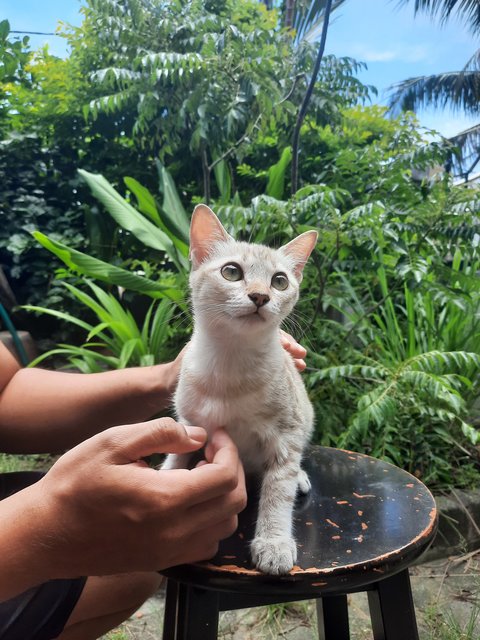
{"type": "Point", "coordinates": [393, 43]}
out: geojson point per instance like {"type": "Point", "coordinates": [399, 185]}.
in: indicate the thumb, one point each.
{"type": "Point", "coordinates": [131, 442]}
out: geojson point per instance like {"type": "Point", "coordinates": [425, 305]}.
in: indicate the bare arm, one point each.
{"type": "Point", "coordinates": [99, 510]}
{"type": "Point", "coordinates": [50, 411]}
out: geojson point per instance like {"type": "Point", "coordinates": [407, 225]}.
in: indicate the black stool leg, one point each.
{"type": "Point", "coordinates": [170, 614]}
{"type": "Point", "coordinates": [391, 609]}
{"type": "Point", "coordinates": [196, 614]}
{"type": "Point", "coordinates": [332, 618]}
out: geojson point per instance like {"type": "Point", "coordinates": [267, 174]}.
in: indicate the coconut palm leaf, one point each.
{"type": "Point", "coordinates": [458, 90]}
{"type": "Point", "coordinates": [467, 155]}
{"type": "Point", "coordinates": [308, 18]}
{"type": "Point", "coordinates": [467, 10]}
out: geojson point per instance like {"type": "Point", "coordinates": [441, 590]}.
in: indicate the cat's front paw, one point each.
{"type": "Point", "coordinates": [275, 556]}
{"type": "Point", "coordinates": [304, 484]}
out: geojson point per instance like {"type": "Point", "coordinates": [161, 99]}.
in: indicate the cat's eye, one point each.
{"type": "Point", "coordinates": [232, 272]}
{"type": "Point", "coordinates": [280, 281]}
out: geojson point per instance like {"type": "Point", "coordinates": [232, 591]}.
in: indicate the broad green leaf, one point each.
{"type": "Point", "coordinates": [224, 181]}
{"type": "Point", "coordinates": [94, 268]}
{"type": "Point", "coordinates": [276, 175]}
{"type": "Point", "coordinates": [176, 217]}
{"type": "Point", "coordinates": [62, 315]}
{"type": "Point", "coordinates": [4, 29]}
{"type": "Point", "coordinates": [145, 200]}
{"type": "Point", "coordinates": [129, 218]}
{"type": "Point", "coordinates": [127, 352]}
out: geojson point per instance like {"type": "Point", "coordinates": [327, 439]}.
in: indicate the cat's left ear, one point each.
{"type": "Point", "coordinates": [299, 250]}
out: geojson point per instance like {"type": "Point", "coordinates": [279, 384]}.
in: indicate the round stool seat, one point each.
{"type": "Point", "coordinates": [363, 520]}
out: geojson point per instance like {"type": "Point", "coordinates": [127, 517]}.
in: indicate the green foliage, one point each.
{"type": "Point", "coordinates": [426, 389]}
{"type": "Point", "coordinates": [457, 90]}
{"type": "Point", "coordinates": [391, 317]}
{"type": "Point", "coordinates": [14, 56]}
{"type": "Point", "coordinates": [204, 77]}
{"type": "Point", "coordinates": [38, 191]}
{"type": "Point", "coordinates": [210, 90]}
{"type": "Point", "coordinates": [116, 341]}
{"type": "Point", "coordinates": [84, 264]}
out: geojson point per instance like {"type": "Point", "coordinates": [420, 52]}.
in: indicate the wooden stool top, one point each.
{"type": "Point", "coordinates": [363, 520]}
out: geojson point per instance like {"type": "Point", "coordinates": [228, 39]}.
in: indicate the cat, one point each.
{"type": "Point", "coordinates": [236, 374]}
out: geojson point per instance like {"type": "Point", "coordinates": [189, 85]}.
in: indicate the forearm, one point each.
{"type": "Point", "coordinates": [51, 411]}
{"type": "Point", "coordinates": [26, 558]}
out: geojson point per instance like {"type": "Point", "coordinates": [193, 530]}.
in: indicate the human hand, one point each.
{"type": "Point", "coordinates": [105, 511]}
{"type": "Point", "coordinates": [294, 349]}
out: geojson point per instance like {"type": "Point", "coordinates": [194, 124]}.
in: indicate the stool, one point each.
{"type": "Point", "coordinates": [363, 523]}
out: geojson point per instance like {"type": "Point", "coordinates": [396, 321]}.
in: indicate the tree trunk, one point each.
{"type": "Point", "coordinates": [289, 13]}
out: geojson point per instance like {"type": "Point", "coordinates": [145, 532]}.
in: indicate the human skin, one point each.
{"type": "Point", "coordinates": [101, 510]}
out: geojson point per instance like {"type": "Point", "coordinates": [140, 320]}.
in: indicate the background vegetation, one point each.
{"type": "Point", "coordinates": [162, 105]}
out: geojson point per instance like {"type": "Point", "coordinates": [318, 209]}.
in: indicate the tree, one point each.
{"type": "Point", "coordinates": [458, 90]}
{"type": "Point", "coordinates": [14, 56]}
{"type": "Point", "coordinates": [199, 76]}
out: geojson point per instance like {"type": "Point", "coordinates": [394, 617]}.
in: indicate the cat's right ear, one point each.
{"type": "Point", "coordinates": [206, 231]}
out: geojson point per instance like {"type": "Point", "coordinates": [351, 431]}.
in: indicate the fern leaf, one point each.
{"type": "Point", "coordinates": [440, 361]}
{"type": "Point", "coordinates": [351, 371]}
{"type": "Point", "coordinates": [377, 406]}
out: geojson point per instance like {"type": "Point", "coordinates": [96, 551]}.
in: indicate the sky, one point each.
{"type": "Point", "coordinates": [393, 43]}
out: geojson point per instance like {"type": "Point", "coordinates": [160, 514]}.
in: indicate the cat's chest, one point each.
{"type": "Point", "coordinates": [246, 417]}
{"type": "Point", "coordinates": [203, 404]}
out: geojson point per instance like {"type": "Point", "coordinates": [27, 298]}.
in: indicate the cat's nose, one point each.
{"type": "Point", "coordinates": [259, 299]}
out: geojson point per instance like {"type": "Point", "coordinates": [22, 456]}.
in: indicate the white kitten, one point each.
{"type": "Point", "coordinates": [235, 373]}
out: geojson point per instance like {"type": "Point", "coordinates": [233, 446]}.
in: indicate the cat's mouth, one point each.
{"type": "Point", "coordinates": [254, 316]}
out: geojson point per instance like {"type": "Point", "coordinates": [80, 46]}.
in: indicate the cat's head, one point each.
{"type": "Point", "coordinates": [236, 285]}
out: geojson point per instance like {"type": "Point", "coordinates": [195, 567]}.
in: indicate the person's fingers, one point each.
{"type": "Point", "coordinates": [203, 545]}
{"type": "Point", "coordinates": [217, 509]}
{"type": "Point", "coordinates": [219, 447]}
{"type": "Point", "coordinates": [301, 365]}
{"type": "Point", "coordinates": [291, 345]}
{"type": "Point", "coordinates": [222, 474]}
{"type": "Point", "coordinates": [129, 443]}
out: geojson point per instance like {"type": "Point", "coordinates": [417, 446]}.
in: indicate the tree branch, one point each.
{"type": "Point", "coordinates": [234, 146]}
{"type": "Point", "coordinates": [308, 95]}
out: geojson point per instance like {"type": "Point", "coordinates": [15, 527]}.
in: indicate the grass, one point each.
{"type": "Point", "coordinates": [9, 463]}
{"type": "Point", "coordinates": [116, 634]}
{"type": "Point", "coordinates": [444, 625]}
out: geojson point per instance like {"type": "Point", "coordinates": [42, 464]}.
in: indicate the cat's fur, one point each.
{"type": "Point", "coordinates": [235, 373]}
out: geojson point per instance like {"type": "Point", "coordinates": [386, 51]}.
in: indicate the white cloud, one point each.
{"type": "Point", "coordinates": [445, 123]}
{"type": "Point", "coordinates": [400, 53]}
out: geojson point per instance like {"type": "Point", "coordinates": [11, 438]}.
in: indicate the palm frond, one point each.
{"type": "Point", "coordinates": [467, 151]}
{"type": "Point", "coordinates": [467, 10]}
{"type": "Point", "coordinates": [473, 64]}
{"type": "Point", "coordinates": [457, 90]}
{"type": "Point", "coordinates": [308, 18]}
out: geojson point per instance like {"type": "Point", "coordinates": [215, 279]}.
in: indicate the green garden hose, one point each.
{"type": "Point", "coordinates": [16, 338]}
